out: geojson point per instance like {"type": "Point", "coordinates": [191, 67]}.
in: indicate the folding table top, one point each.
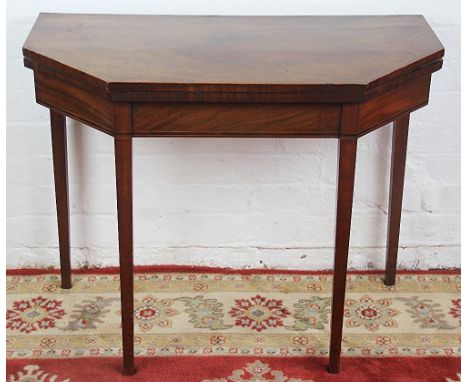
{"type": "Point", "coordinates": [348, 55]}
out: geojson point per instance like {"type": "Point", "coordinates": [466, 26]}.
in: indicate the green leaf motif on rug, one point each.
{"type": "Point", "coordinates": [205, 313]}
{"type": "Point", "coordinates": [87, 314]}
{"type": "Point", "coordinates": [426, 313]}
{"type": "Point", "coordinates": [311, 313]}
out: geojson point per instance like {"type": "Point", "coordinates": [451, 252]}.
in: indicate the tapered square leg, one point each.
{"type": "Point", "coordinates": [123, 172]}
{"type": "Point", "coordinates": [59, 158]}
{"type": "Point", "coordinates": [397, 178]}
{"type": "Point", "coordinates": [346, 170]}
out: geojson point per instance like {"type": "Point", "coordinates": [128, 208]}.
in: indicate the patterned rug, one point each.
{"type": "Point", "coordinates": [212, 325]}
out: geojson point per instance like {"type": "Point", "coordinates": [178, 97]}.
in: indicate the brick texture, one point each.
{"type": "Point", "coordinates": [234, 202]}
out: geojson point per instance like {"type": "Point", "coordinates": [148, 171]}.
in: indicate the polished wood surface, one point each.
{"type": "Point", "coordinates": [397, 179]}
{"type": "Point", "coordinates": [345, 188]}
{"type": "Point", "coordinates": [342, 55]}
{"type": "Point", "coordinates": [384, 108]}
{"type": "Point", "coordinates": [124, 184]}
{"type": "Point", "coordinates": [60, 162]}
{"type": "Point", "coordinates": [123, 171]}
{"type": "Point", "coordinates": [229, 119]}
{"type": "Point", "coordinates": [87, 106]}
{"type": "Point", "coordinates": [236, 120]}
{"type": "Point", "coordinates": [264, 76]}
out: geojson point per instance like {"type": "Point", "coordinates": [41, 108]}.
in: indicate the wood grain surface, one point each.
{"type": "Point", "coordinates": [236, 120]}
{"type": "Point", "coordinates": [342, 55]}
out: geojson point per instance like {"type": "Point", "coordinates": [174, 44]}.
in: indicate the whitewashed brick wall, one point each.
{"type": "Point", "coordinates": [234, 202]}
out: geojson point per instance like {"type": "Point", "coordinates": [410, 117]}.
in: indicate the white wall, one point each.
{"type": "Point", "coordinates": [234, 202]}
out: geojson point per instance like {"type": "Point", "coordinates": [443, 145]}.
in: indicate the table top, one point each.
{"type": "Point", "coordinates": [145, 53]}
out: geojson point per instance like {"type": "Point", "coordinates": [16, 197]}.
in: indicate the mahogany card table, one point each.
{"type": "Point", "coordinates": [131, 77]}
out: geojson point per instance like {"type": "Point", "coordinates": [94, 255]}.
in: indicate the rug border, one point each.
{"type": "Point", "coordinates": [303, 367]}
{"type": "Point", "coordinates": [207, 269]}
{"type": "Point", "coordinates": [138, 357]}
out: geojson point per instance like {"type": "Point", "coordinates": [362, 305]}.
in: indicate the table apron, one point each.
{"type": "Point", "coordinates": [236, 119]}
{"type": "Point", "coordinates": [208, 119]}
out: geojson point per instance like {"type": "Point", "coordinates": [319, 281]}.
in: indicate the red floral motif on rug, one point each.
{"type": "Point", "coordinates": [151, 311]}
{"type": "Point", "coordinates": [259, 313]}
{"type": "Point", "coordinates": [456, 310]}
{"type": "Point", "coordinates": [37, 313]}
{"type": "Point", "coordinates": [370, 313]}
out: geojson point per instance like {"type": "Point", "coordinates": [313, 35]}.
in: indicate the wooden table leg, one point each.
{"type": "Point", "coordinates": [123, 172]}
{"type": "Point", "coordinates": [397, 178]}
{"type": "Point", "coordinates": [59, 158]}
{"type": "Point", "coordinates": [346, 169]}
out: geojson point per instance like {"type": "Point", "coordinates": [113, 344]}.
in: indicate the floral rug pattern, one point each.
{"type": "Point", "coordinates": [256, 372]}
{"type": "Point", "coordinates": [33, 373]}
{"type": "Point", "coordinates": [233, 314]}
